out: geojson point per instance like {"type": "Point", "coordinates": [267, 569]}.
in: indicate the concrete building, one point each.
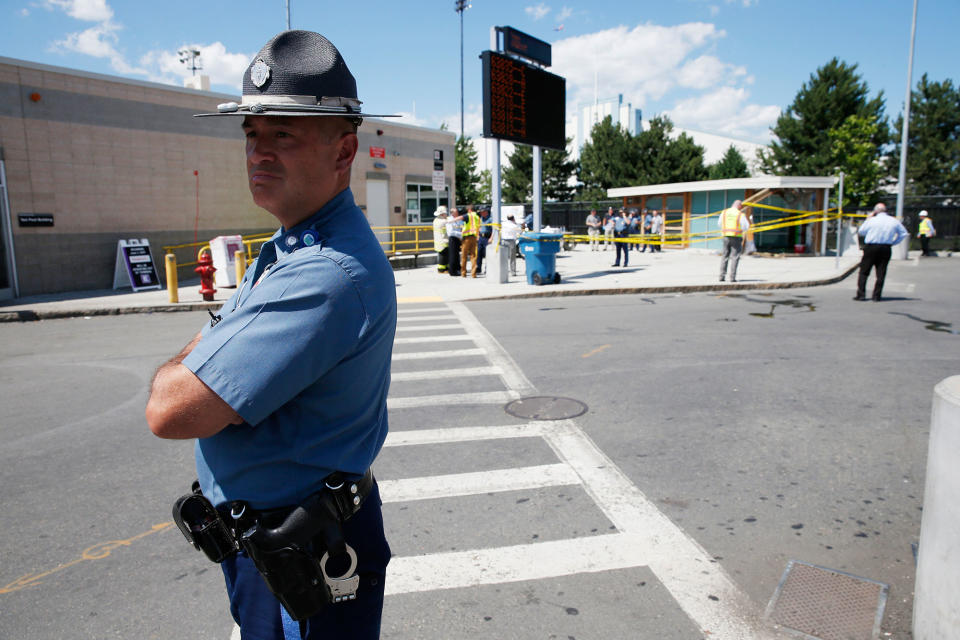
{"type": "Point", "coordinates": [90, 159]}
{"type": "Point", "coordinates": [589, 114]}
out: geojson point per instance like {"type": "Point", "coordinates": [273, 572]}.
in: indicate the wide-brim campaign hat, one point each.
{"type": "Point", "coordinates": [297, 73]}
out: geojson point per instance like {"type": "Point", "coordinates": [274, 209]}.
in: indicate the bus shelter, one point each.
{"type": "Point", "coordinates": [790, 213]}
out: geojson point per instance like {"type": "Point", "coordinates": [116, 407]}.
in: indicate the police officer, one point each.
{"type": "Point", "coordinates": [285, 390]}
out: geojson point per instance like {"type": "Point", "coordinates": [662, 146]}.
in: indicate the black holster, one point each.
{"type": "Point", "coordinates": [202, 526]}
{"type": "Point", "coordinates": [287, 555]}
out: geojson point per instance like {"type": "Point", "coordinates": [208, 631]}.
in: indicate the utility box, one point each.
{"type": "Point", "coordinates": [223, 249]}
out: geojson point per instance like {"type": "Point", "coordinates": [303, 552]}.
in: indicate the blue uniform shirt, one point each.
{"type": "Point", "coordinates": [882, 229]}
{"type": "Point", "coordinates": [303, 355]}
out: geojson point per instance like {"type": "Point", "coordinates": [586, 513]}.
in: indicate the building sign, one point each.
{"type": "Point", "coordinates": [522, 103]}
{"type": "Point", "coordinates": [378, 152]}
{"type": "Point", "coordinates": [526, 46]}
{"type": "Point", "coordinates": [35, 219]}
{"type": "Point", "coordinates": [135, 266]}
{"type": "Point", "coordinates": [439, 179]}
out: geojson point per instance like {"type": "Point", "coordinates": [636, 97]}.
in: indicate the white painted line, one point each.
{"type": "Point", "coordinates": [431, 339]}
{"type": "Point", "coordinates": [512, 376]}
{"type": "Point", "coordinates": [478, 482]}
{"type": "Point", "coordinates": [406, 376]}
{"type": "Point", "coordinates": [462, 434]}
{"type": "Point", "coordinates": [551, 559]}
{"type": "Point", "coordinates": [403, 312]}
{"type": "Point", "coordinates": [426, 355]}
{"type": "Point", "coordinates": [430, 327]}
{"type": "Point", "coordinates": [446, 400]}
{"type": "Point", "coordinates": [443, 316]}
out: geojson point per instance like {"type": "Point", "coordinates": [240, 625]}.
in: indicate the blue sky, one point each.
{"type": "Point", "coordinates": [721, 66]}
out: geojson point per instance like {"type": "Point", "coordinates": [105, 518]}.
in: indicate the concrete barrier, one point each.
{"type": "Point", "coordinates": [936, 605]}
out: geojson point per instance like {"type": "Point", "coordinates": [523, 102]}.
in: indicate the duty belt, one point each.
{"type": "Point", "coordinates": [289, 546]}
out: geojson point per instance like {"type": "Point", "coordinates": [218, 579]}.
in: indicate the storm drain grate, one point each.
{"type": "Point", "coordinates": [826, 604]}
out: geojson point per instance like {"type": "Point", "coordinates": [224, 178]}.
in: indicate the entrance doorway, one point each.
{"type": "Point", "coordinates": [8, 273]}
{"type": "Point", "coordinates": [378, 208]}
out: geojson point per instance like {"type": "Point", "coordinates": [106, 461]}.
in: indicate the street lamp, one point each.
{"type": "Point", "coordinates": [190, 57]}
{"type": "Point", "coordinates": [459, 6]}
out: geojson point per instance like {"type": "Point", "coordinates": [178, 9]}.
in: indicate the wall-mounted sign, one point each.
{"type": "Point", "coordinates": [35, 219]}
{"type": "Point", "coordinates": [378, 152]}
{"type": "Point", "coordinates": [135, 266]}
{"type": "Point", "coordinates": [522, 103]}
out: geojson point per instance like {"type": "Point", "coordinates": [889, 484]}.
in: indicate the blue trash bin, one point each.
{"type": "Point", "coordinates": [540, 253]}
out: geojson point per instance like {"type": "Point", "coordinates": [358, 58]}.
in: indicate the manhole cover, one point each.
{"type": "Point", "coordinates": [826, 604]}
{"type": "Point", "coordinates": [546, 408]}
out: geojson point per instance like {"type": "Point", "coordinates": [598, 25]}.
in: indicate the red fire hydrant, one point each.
{"type": "Point", "coordinates": [205, 268]}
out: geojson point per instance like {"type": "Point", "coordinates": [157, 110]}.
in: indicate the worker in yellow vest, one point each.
{"type": "Point", "coordinates": [734, 224]}
{"type": "Point", "coordinates": [440, 239]}
{"type": "Point", "coordinates": [926, 232]}
{"type": "Point", "coordinates": [468, 248]}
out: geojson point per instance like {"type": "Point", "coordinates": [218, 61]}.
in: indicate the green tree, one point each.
{"type": "Point", "coordinates": [662, 159]}
{"type": "Point", "coordinates": [485, 186]}
{"type": "Point", "coordinates": [466, 172]}
{"type": "Point", "coordinates": [608, 160]}
{"type": "Point", "coordinates": [853, 152]}
{"type": "Point", "coordinates": [831, 95]}
{"type": "Point", "coordinates": [556, 169]}
{"type": "Point", "coordinates": [732, 165]}
{"type": "Point", "coordinates": [933, 151]}
{"type": "Point", "coordinates": [517, 176]}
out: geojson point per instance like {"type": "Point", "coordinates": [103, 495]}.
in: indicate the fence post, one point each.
{"type": "Point", "coordinates": [936, 605]}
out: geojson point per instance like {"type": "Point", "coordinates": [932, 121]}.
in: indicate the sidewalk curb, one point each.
{"type": "Point", "coordinates": [686, 288]}
{"type": "Point", "coordinates": [30, 315]}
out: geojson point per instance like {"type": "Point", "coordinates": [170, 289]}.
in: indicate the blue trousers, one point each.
{"type": "Point", "coordinates": [260, 616]}
{"type": "Point", "coordinates": [622, 249]}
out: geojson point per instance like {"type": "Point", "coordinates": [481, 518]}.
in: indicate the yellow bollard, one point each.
{"type": "Point", "coordinates": [240, 264]}
{"type": "Point", "coordinates": [171, 264]}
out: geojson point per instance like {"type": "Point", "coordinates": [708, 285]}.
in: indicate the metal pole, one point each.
{"type": "Point", "coordinates": [537, 191]}
{"type": "Point", "coordinates": [823, 225]}
{"type": "Point", "coordinates": [288, 15]}
{"type": "Point", "coordinates": [839, 220]}
{"type": "Point", "coordinates": [902, 178]}
{"type": "Point", "coordinates": [461, 70]}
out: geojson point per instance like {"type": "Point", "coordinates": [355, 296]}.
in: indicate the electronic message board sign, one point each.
{"type": "Point", "coordinates": [526, 46]}
{"type": "Point", "coordinates": [522, 103]}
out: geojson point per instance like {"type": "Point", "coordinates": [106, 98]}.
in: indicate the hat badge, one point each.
{"type": "Point", "coordinates": [259, 73]}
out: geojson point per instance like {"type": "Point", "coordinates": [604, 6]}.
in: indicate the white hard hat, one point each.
{"type": "Point", "coordinates": [923, 213]}
{"type": "Point", "coordinates": [442, 210]}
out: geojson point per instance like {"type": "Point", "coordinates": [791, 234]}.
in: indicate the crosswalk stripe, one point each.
{"type": "Point", "coordinates": [431, 339]}
{"type": "Point", "coordinates": [443, 316]}
{"type": "Point", "coordinates": [407, 376]}
{"type": "Point", "coordinates": [448, 399]}
{"type": "Point", "coordinates": [462, 434]}
{"type": "Point", "coordinates": [450, 353]}
{"type": "Point", "coordinates": [403, 312]}
{"type": "Point", "coordinates": [477, 482]}
{"type": "Point", "coordinates": [430, 327]}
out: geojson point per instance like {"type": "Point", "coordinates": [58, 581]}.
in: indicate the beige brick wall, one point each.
{"type": "Point", "coordinates": [113, 172]}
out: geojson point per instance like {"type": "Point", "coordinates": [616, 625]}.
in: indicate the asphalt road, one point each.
{"type": "Point", "coordinates": [764, 427]}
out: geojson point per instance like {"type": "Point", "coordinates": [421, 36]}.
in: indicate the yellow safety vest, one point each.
{"type": "Point", "coordinates": [472, 226]}
{"type": "Point", "coordinates": [925, 227]}
{"type": "Point", "coordinates": [730, 223]}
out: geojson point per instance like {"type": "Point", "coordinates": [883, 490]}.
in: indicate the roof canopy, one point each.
{"type": "Point", "coordinates": [761, 182]}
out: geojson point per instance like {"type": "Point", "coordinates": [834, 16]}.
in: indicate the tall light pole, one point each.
{"type": "Point", "coordinates": [288, 15]}
{"type": "Point", "coordinates": [191, 58]}
{"type": "Point", "coordinates": [460, 6]}
{"type": "Point", "coordinates": [905, 138]}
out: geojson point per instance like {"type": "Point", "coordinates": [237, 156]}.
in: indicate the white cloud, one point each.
{"type": "Point", "coordinates": [642, 63]}
{"type": "Point", "coordinates": [714, 10]}
{"type": "Point", "coordinates": [537, 12]}
{"type": "Point", "coordinates": [86, 10]}
{"type": "Point", "coordinates": [707, 71]}
{"type": "Point", "coordinates": [565, 13]}
{"type": "Point", "coordinates": [727, 111]}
